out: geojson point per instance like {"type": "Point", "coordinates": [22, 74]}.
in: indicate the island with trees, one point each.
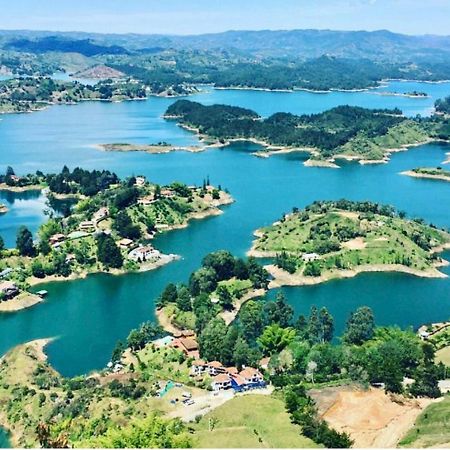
{"type": "Point", "coordinates": [442, 105]}
{"type": "Point", "coordinates": [155, 378]}
{"type": "Point", "coordinates": [334, 239]}
{"type": "Point", "coordinates": [108, 227]}
{"type": "Point", "coordinates": [431, 173]}
{"type": "Point", "coordinates": [349, 132]}
{"type": "Point", "coordinates": [32, 94]}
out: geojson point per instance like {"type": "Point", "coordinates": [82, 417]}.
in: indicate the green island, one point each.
{"type": "Point", "coordinates": [334, 239]}
{"type": "Point", "coordinates": [432, 173]}
{"type": "Point", "coordinates": [226, 384]}
{"type": "Point", "coordinates": [104, 225]}
{"type": "Point", "coordinates": [348, 132]}
{"type": "Point", "coordinates": [442, 105]}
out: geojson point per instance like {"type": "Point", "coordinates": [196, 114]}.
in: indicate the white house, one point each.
{"type": "Point", "coordinates": [143, 253]}
{"type": "Point", "coordinates": [220, 382]}
{"type": "Point", "coordinates": [140, 181]}
{"type": "Point", "coordinates": [309, 257]}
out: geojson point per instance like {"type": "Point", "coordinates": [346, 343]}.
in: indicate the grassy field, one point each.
{"type": "Point", "coordinates": [432, 428]}
{"type": "Point", "coordinates": [347, 239]}
{"type": "Point", "coordinates": [252, 421]}
{"type": "Point", "coordinates": [443, 355]}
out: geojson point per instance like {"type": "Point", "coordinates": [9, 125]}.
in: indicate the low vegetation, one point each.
{"type": "Point", "coordinates": [328, 237]}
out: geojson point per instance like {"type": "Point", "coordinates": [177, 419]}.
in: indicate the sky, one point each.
{"type": "Point", "coordinates": [210, 16]}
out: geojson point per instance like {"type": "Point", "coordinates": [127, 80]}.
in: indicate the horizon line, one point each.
{"type": "Point", "coordinates": [274, 30]}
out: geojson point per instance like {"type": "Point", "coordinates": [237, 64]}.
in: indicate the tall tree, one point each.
{"type": "Point", "coordinates": [360, 326]}
{"type": "Point", "coordinates": [212, 340]}
{"type": "Point", "coordinates": [108, 253]}
{"type": "Point", "coordinates": [279, 311]}
{"type": "Point", "coordinates": [24, 242]}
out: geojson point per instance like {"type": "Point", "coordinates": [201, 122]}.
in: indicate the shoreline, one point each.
{"type": "Point", "coordinates": [38, 346]}
{"type": "Point", "coordinates": [272, 149]}
{"type": "Point", "coordinates": [144, 267]}
{"type": "Point", "coordinates": [19, 189]}
{"type": "Point", "coordinates": [284, 278]}
{"type": "Point", "coordinates": [22, 301]}
{"type": "Point", "coordinates": [411, 173]}
{"type": "Point", "coordinates": [213, 210]}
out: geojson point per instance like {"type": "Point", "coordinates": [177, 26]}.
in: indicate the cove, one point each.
{"type": "Point", "coordinates": [4, 439]}
{"type": "Point", "coordinates": [88, 316]}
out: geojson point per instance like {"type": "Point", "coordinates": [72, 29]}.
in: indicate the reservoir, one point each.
{"type": "Point", "coordinates": [88, 316]}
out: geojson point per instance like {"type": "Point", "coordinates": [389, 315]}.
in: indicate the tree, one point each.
{"type": "Point", "coordinates": [204, 280]}
{"type": "Point", "coordinates": [241, 352]}
{"type": "Point", "coordinates": [225, 298]}
{"type": "Point", "coordinates": [108, 253]}
{"type": "Point", "coordinates": [125, 227]}
{"type": "Point", "coordinates": [212, 340]}
{"type": "Point", "coordinates": [222, 262]}
{"type": "Point", "coordinates": [279, 311]}
{"type": "Point", "coordinates": [360, 326]}
{"type": "Point", "coordinates": [251, 319]}
{"type": "Point", "coordinates": [314, 326]}
{"type": "Point", "coordinates": [2, 244]}
{"type": "Point", "coordinates": [240, 269]}
{"type": "Point", "coordinates": [169, 295]}
{"type": "Point", "coordinates": [184, 299]}
{"type": "Point", "coordinates": [117, 352]}
{"type": "Point", "coordinates": [274, 339]}
{"type": "Point", "coordinates": [327, 325]}
{"type": "Point", "coordinates": [24, 242]}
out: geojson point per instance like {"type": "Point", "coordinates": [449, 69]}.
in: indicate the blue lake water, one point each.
{"type": "Point", "coordinates": [88, 316]}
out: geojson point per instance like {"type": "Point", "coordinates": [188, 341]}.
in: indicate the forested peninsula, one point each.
{"type": "Point", "coordinates": [349, 132]}
{"type": "Point", "coordinates": [335, 239]}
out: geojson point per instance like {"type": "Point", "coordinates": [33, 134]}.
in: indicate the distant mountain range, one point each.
{"type": "Point", "coordinates": [375, 45]}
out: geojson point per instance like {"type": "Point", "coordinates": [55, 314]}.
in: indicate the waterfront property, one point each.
{"type": "Point", "coordinates": [8, 290]}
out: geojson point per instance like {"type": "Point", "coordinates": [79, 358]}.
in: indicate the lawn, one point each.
{"type": "Point", "coordinates": [443, 355]}
{"type": "Point", "coordinates": [432, 428]}
{"type": "Point", "coordinates": [250, 421]}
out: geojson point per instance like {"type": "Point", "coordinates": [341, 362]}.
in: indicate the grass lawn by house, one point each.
{"type": "Point", "coordinates": [252, 421]}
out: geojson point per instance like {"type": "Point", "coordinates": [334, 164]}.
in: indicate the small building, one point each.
{"type": "Point", "coordinates": [87, 225]}
{"type": "Point", "coordinates": [198, 367]}
{"type": "Point", "coordinates": [70, 257]}
{"type": "Point", "coordinates": [168, 193]}
{"type": "Point", "coordinates": [140, 181]}
{"type": "Point", "coordinates": [309, 257]}
{"type": "Point", "coordinates": [188, 346]}
{"type": "Point", "coordinates": [4, 273]}
{"type": "Point", "coordinates": [8, 289]}
{"type": "Point", "coordinates": [221, 382]}
{"type": "Point", "coordinates": [56, 239]}
{"type": "Point", "coordinates": [215, 367]}
{"type": "Point", "coordinates": [143, 253]}
{"type": "Point", "coordinates": [125, 243]}
{"type": "Point", "coordinates": [147, 200]}
{"type": "Point", "coordinates": [251, 375]}
{"type": "Point", "coordinates": [100, 215]}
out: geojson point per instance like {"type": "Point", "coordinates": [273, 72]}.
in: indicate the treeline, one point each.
{"type": "Point", "coordinates": [81, 181]}
{"type": "Point", "coordinates": [326, 131]}
{"type": "Point", "coordinates": [442, 105]}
